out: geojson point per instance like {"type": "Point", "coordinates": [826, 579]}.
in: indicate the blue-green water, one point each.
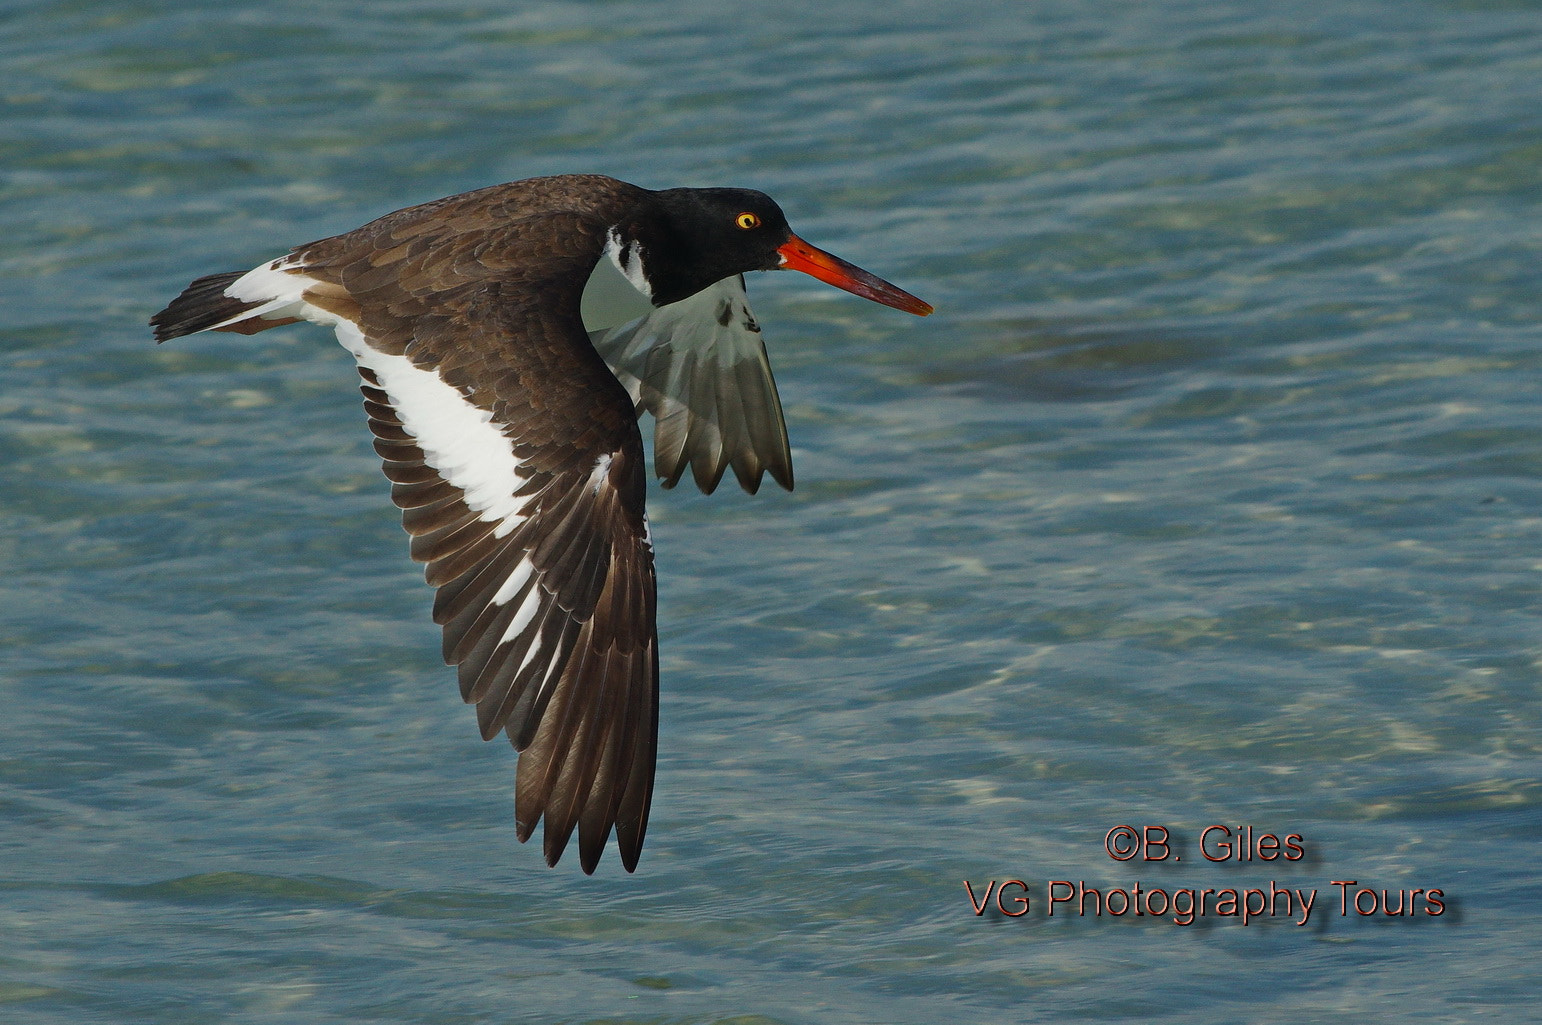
{"type": "Point", "coordinates": [1212, 494]}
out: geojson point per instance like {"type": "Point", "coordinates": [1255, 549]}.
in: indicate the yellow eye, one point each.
{"type": "Point", "coordinates": [747, 221]}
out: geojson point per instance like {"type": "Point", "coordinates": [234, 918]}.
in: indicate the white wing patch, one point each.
{"type": "Point", "coordinates": [587, 763]}
{"type": "Point", "coordinates": [513, 584]}
{"type": "Point", "coordinates": [458, 437]}
{"type": "Point", "coordinates": [527, 610]}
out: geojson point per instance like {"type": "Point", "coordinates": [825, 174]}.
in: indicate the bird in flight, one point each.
{"type": "Point", "coordinates": [508, 340]}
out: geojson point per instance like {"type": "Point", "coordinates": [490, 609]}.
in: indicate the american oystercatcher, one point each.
{"type": "Point", "coordinates": [509, 338]}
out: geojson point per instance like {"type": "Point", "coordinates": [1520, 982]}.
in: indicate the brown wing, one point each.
{"type": "Point", "coordinates": [549, 614]}
{"type": "Point", "coordinates": [515, 456]}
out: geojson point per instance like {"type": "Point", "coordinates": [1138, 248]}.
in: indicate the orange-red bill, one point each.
{"type": "Point", "coordinates": [799, 255]}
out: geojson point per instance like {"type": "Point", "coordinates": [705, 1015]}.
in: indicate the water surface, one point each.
{"type": "Point", "coordinates": [1210, 495]}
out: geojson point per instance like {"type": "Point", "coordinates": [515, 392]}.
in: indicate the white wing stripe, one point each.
{"type": "Point", "coordinates": [458, 437]}
{"type": "Point", "coordinates": [516, 580]}
{"type": "Point", "coordinates": [530, 653]}
{"type": "Point", "coordinates": [522, 618]}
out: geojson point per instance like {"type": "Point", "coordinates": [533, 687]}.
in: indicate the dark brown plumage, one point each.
{"type": "Point", "coordinates": [513, 449]}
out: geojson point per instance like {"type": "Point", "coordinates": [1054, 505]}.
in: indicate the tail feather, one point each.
{"type": "Point", "coordinates": [203, 305]}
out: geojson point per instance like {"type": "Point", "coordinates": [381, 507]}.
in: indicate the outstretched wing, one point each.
{"type": "Point", "coordinates": [700, 367]}
{"type": "Point", "coordinates": [546, 593]}
{"type": "Point", "coordinates": [515, 457]}
{"type": "Point", "coordinates": [546, 596]}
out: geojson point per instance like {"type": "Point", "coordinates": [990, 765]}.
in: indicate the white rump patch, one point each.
{"type": "Point", "coordinates": [280, 292]}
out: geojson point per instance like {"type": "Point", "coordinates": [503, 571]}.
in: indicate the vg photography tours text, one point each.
{"type": "Point", "coordinates": [1345, 897]}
